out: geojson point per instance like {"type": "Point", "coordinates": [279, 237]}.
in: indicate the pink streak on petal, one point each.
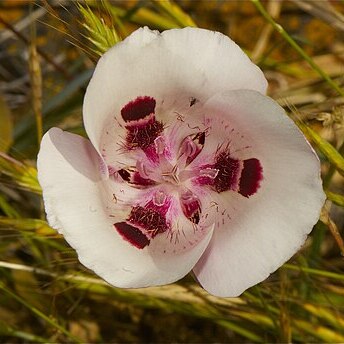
{"type": "Point", "coordinates": [140, 181]}
{"type": "Point", "coordinates": [151, 154]}
{"type": "Point", "coordinates": [161, 209]}
{"type": "Point", "coordinates": [139, 108]}
{"type": "Point", "coordinates": [251, 176]}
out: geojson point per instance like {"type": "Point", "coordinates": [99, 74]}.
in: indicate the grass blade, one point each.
{"type": "Point", "coordinates": [21, 224]}
{"type": "Point", "coordinates": [335, 198]}
{"type": "Point", "coordinates": [102, 36]}
{"type": "Point", "coordinates": [38, 313]}
{"type": "Point", "coordinates": [23, 175]}
{"type": "Point", "coordinates": [175, 12]}
{"type": "Point", "coordinates": [292, 42]}
{"type": "Point", "coordinates": [6, 126]}
{"type": "Point", "coordinates": [333, 156]}
{"type": "Point", "coordinates": [9, 331]}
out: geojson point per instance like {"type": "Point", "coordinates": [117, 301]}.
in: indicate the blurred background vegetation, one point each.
{"type": "Point", "coordinates": [48, 50]}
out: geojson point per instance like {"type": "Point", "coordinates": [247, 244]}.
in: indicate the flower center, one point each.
{"type": "Point", "coordinates": [172, 174]}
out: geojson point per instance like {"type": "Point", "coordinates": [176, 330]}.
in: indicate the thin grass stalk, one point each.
{"type": "Point", "coordinates": [7, 208]}
{"type": "Point", "coordinates": [192, 302]}
{"type": "Point", "coordinates": [333, 156]}
{"type": "Point", "coordinates": [284, 318]}
{"type": "Point", "coordinates": [46, 57]}
{"type": "Point", "coordinates": [9, 331]}
{"type": "Point", "coordinates": [320, 332]}
{"type": "Point", "coordinates": [22, 174]}
{"type": "Point", "coordinates": [36, 84]}
{"type": "Point", "coordinates": [240, 330]}
{"type": "Point", "coordinates": [117, 22]}
{"type": "Point", "coordinates": [6, 127]}
{"type": "Point", "coordinates": [318, 236]}
{"type": "Point", "coordinates": [41, 227]}
{"type": "Point", "coordinates": [299, 325]}
{"type": "Point", "coordinates": [143, 16]}
{"type": "Point", "coordinates": [292, 42]}
{"type": "Point", "coordinates": [325, 217]}
{"type": "Point", "coordinates": [99, 34]}
{"type": "Point", "coordinates": [335, 198]}
{"type": "Point", "coordinates": [315, 272]}
{"type": "Point", "coordinates": [328, 178]}
{"type": "Point", "coordinates": [323, 313]}
{"type": "Point", "coordinates": [38, 313]}
{"type": "Point", "coordinates": [175, 12]}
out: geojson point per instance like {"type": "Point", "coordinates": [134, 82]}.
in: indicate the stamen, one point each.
{"type": "Point", "coordinates": [204, 175]}
{"type": "Point", "coordinates": [159, 198]}
{"type": "Point", "coordinates": [161, 150]}
{"type": "Point", "coordinates": [160, 145]}
{"type": "Point", "coordinates": [143, 224]}
{"type": "Point", "coordinates": [209, 172]}
{"type": "Point", "coordinates": [191, 206]}
{"type": "Point", "coordinates": [143, 169]}
{"type": "Point", "coordinates": [229, 172]}
{"type": "Point", "coordinates": [191, 147]}
{"type": "Point", "coordinates": [151, 221]}
{"type": "Point", "coordinates": [143, 133]}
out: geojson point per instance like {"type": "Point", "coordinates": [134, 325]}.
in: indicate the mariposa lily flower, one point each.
{"type": "Point", "coordinates": [188, 166]}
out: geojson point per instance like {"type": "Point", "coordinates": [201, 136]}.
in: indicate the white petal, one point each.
{"type": "Point", "coordinates": [224, 64]}
{"type": "Point", "coordinates": [77, 204]}
{"type": "Point", "coordinates": [254, 236]}
{"type": "Point", "coordinates": [139, 66]}
{"type": "Point", "coordinates": [177, 63]}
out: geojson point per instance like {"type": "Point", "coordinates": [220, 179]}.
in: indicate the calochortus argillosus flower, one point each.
{"type": "Point", "coordinates": [188, 166]}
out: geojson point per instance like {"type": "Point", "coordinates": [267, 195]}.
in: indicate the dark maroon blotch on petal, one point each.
{"type": "Point", "coordinates": [139, 108]}
{"type": "Point", "coordinates": [132, 234]}
{"type": "Point", "coordinates": [124, 174]}
{"type": "Point", "coordinates": [140, 181]}
{"type": "Point", "coordinates": [227, 176]}
{"type": "Point", "coordinates": [201, 138]}
{"type": "Point", "coordinates": [251, 176]}
{"type": "Point", "coordinates": [142, 225]}
{"type": "Point", "coordinates": [134, 178]}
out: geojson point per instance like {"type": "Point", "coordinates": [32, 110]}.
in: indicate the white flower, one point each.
{"type": "Point", "coordinates": [189, 167]}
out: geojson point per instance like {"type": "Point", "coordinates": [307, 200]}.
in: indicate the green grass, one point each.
{"type": "Point", "coordinates": [45, 294]}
